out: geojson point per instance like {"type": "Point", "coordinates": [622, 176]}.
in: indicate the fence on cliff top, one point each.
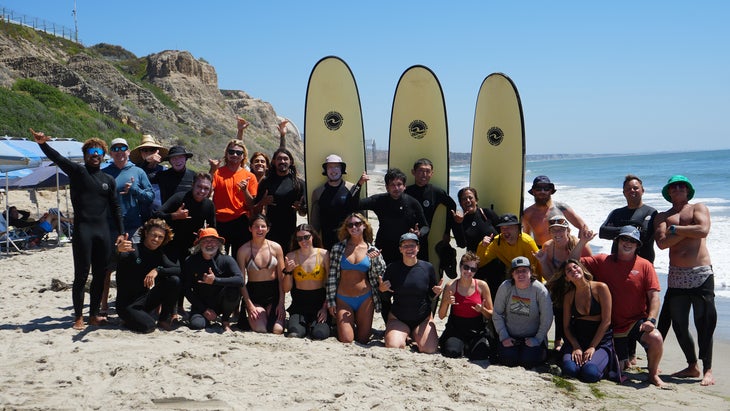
{"type": "Point", "coordinates": [10, 16]}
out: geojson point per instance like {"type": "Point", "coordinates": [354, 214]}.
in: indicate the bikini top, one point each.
{"type": "Point", "coordinates": [251, 263]}
{"type": "Point", "coordinates": [594, 310]}
{"type": "Point", "coordinates": [317, 273]}
{"type": "Point", "coordinates": [363, 265]}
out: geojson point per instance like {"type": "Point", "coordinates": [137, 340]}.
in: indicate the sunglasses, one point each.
{"type": "Point", "coordinates": [232, 152]}
{"type": "Point", "coordinates": [351, 225]}
{"type": "Point", "coordinates": [542, 188]}
{"type": "Point", "coordinates": [148, 149]}
{"type": "Point", "coordinates": [628, 240]}
{"type": "Point", "coordinates": [465, 267]}
{"type": "Point", "coordinates": [559, 221]}
{"type": "Point", "coordinates": [303, 237]}
{"type": "Point", "coordinates": [94, 151]}
{"type": "Point", "coordinates": [119, 148]}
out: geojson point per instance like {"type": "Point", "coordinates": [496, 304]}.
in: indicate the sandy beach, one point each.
{"type": "Point", "coordinates": [48, 365]}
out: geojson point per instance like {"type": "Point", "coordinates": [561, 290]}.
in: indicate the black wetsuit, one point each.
{"type": "Point", "coordinates": [333, 206]}
{"type": "Point", "coordinates": [134, 300]}
{"type": "Point", "coordinates": [395, 217]}
{"type": "Point", "coordinates": [641, 218]}
{"type": "Point", "coordinates": [186, 230]}
{"type": "Point", "coordinates": [430, 197]}
{"type": "Point", "coordinates": [172, 182]}
{"type": "Point", "coordinates": [94, 197]}
{"type": "Point", "coordinates": [222, 296]}
{"type": "Point", "coordinates": [282, 216]}
{"type": "Point", "coordinates": [412, 291]}
{"type": "Point", "coordinates": [475, 226]}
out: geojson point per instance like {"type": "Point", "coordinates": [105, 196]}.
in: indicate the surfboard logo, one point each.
{"type": "Point", "coordinates": [417, 129]}
{"type": "Point", "coordinates": [495, 135]}
{"type": "Point", "coordinates": [333, 120]}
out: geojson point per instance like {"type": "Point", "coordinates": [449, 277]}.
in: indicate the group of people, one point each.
{"type": "Point", "coordinates": [227, 241]}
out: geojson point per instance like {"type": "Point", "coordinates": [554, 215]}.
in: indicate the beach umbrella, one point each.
{"type": "Point", "coordinates": [13, 159]}
{"type": "Point", "coordinates": [69, 148]}
{"type": "Point", "coordinates": [42, 177]}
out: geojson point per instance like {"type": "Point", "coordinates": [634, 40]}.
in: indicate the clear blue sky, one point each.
{"type": "Point", "coordinates": [620, 76]}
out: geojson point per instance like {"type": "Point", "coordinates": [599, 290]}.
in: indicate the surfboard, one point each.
{"type": "Point", "coordinates": [498, 146]}
{"type": "Point", "coordinates": [332, 123]}
{"type": "Point", "coordinates": [418, 129]}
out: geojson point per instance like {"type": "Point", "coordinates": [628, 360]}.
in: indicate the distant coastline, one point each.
{"type": "Point", "coordinates": [458, 159]}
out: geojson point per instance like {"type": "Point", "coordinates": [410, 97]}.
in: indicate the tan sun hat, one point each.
{"type": "Point", "coordinates": [147, 141]}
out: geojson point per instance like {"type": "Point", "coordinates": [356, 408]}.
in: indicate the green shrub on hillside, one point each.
{"type": "Point", "coordinates": [33, 104]}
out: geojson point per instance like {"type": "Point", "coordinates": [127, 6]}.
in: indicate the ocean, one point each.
{"type": "Point", "coordinates": [593, 187]}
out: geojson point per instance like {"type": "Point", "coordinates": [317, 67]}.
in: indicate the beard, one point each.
{"type": "Point", "coordinates": [542, 201]}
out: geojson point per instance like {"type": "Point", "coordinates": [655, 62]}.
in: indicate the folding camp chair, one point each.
{"type": "Point", "coordinates": [9, 236]}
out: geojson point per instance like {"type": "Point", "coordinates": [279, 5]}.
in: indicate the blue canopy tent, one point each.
{"type": "Point", "coordinates": [33, 155]}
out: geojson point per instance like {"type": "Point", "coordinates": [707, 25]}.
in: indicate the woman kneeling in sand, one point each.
{"type": "Point", "coordinates": [471, 303]}
{"type": "Point", "coordinates": [305, 275]}
{"type": "Point", "coordinates": [355, 269]}
{"type": "Point", "coordinates": [262, 262]}
{"type": "Point", "coordinates": [588, 351]}
{"type": "Point", "coordinates": [413, 284]}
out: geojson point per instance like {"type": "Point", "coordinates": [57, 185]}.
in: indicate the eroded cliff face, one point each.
{"type": "Point", "coordinates": [195, 111]}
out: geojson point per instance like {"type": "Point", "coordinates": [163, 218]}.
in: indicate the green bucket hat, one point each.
{"type": "Point", "coordinates": [678, 179]}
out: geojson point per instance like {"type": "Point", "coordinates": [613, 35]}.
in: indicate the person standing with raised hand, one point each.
{"type": "Point", "coordinates": [234, 188]}
{"type": "Point", "coordinates": [94, 199]}
{"type": "Point", "coordinates": [281, 196]}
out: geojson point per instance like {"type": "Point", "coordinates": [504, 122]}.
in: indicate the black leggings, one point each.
{"type": "Point", "coordinates": [91, 245]}
{"type": "Point", "coordinates": [137, 316]}
{"type": "Point", "coordinates": [235, 232]}
{"type": "Point", "coordinates": [225, 302]}
{"type": "Point", "coordinates": [301, 325]}
{"type": "Point", "coordinates": [702, 302]}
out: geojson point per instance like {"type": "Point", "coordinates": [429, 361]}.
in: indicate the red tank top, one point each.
{"type": "Point", "coordinates": [463, 307]}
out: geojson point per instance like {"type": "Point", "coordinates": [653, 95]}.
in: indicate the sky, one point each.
{"type": "Point", "coordinates": [593, 77]}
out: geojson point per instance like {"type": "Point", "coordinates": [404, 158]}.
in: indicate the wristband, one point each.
{"type": "Point", "coordinates": [287, 272]}
{"type": "Point", "coordinates": [652, 320]}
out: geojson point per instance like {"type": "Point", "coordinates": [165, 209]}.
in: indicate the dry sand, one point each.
{"type": "Point", "coordinates": [48, 365]}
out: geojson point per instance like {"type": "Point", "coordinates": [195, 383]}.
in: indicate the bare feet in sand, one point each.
{"type": "Point", "coordinates": [692, 371]}
{"type": "Point", "coordinates": [708, 379]}
{"type": "Point", "coordinates": [226, 326]}
{"type": "Point", "coordinates": [655, 380]}
{"type": "Point", "coordinates": [98, 320]}
{"type": "Point", "coordinates": [79, 323]}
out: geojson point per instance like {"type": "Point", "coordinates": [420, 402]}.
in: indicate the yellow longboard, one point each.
{"type": "Point", "coordinates": [418, 129]}
{"type": "Point", "coordinates": [332, 122]}
{"type": "Point", "coordinates": [498, 146]}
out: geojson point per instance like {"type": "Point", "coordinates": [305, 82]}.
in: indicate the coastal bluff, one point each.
{"type": "Point", "coordinates": [171, 94]}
